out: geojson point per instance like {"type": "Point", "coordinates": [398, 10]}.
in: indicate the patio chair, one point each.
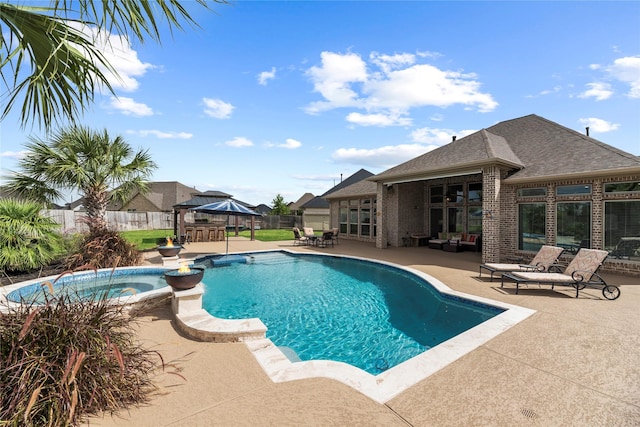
{"type": "Point", "coordinates": [299, 239]}
{"type": "Point", "coordinates": [325, 240]}
{"type": "Point", "coordinates": [580, 273]}
{"type": "Point", "coordinates": [336, 233]}
{"type": "Point", "coordinates": [546, 256]}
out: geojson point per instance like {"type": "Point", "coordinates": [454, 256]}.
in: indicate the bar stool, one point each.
{"type": "Point", "coordinates": [220, 232]}
{"type": "Point", "coordinates": [188, 234]}
{"type": "Point", "coordinates": [212, 235]}
{"type": "Point", "coordinates": [199, 235]}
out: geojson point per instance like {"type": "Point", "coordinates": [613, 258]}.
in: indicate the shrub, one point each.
{"type": "Point", "coordinates": [68, 358]}
{"type": "Point", "coordinates": [104, 249]}
{"type": "Point", "coordinates": [28, 240]}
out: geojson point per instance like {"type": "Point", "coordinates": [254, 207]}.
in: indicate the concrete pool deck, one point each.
{"type": "Point", "coordinates": [575, 362]}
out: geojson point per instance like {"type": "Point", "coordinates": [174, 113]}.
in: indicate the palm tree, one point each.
{"type": "Point", "coordinates": [28, 240]}
{"type": "Point", "coordinates": [99, 168]}
{"type": "Point", "coordinates": [47, 59]}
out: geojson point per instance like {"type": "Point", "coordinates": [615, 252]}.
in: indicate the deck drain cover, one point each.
{"type": "Point", "coordinates": [529, 413]}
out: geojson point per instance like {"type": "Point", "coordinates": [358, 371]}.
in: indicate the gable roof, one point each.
{"type": "Point", "coordinates": [316, 203]}
{"type": "Point", "coordinates": [533, 147]}
{"type": "Point", "coordinates": [301, 201]}
{"type": "Point", "coordinates": [162, 195]}
{"type": "Point", "coordinates": [362, 188]}
{"type": "Point", "coordinates": [356, 177]}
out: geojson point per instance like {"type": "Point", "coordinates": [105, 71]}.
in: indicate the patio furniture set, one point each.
{"type": "Point", "coordinates": [450, 242]}
{"type": "Point", "coordinates": [309, 238]}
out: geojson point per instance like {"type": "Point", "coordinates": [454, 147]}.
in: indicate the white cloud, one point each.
{"type": "Point", "coordinates": [627, 70]}
{"type": "Point", "coordinates": [599, 91]}
{"type": "Point", "coordinates": [599, 125]}
{"type": "Point", "coordinates": [291, 144]}
{"type": "Point", "coordinates": [555, 89]}
{"type": "Point", "coordinates": [379, 119]}
{"type": "Point", "coordinates": [117, 51]}
{"type": "Point", "coordinates": [129, 107]}
{"type": "Point", "coordinates": [217, 108]}
{"type": "Point", "coordinates": [264, 76]}
{"type": "Point", "coordinates": [333, 80]}
{"type": "Point", "coordinates": [239, 141]}
{"type": "Point", "coordinates": [14, 154]}
{"type": "Point", "coordinates": [161, 135]}
{"type": "Point", "coordinates": [396, 85]}
{"type": "Point", "coordinates": [381, 157]}
{"type": "Point", "coordinates": [435, 136]}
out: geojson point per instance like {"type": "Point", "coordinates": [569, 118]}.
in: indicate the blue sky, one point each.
{"type": "Point", "coordinates": [276, 97]}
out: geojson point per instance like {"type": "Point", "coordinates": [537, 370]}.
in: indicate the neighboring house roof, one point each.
{"type": "Point", "coordinates": [534, 147]}
{"type": "Point", "coordinates": [262, 208]}
{"type": "Point", "coordinates": [301, 201]}
{"type": "Point", "coordinates": [316, 203]}
{"type": "Point", "coordinates": [356, 177]}
{"type": "Point", "coordinates": [362, 188]}
{"type": "Point", "coordinates": [162, 196]}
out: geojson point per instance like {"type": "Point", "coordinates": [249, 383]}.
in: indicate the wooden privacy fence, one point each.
{"type": "Point", "coordinates": [74, 222]}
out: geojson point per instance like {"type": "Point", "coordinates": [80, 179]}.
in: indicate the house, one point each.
{"type": "Point", "coordinates": [263, 209]}
{"type": "Point", "coordinates": [161, 197]}
{"type": "Point", "coordinates": [316, 213]}
{"type": "Point", "coordinates": [520, 183]}
{"type": "Point", "coordinates": [296, 207]}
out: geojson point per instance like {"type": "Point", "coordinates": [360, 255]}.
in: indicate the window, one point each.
{"type": "Point", "coordinates": [436, 194]}
{"type": "Point", "coordinates": [435, 221]}
{"type": "Point", "coordinates": [474, 219]}
{"type": "Point", "coordinates": [571, 190]}
{"type": "Point", "coordinates": [455, 223]}
{"type": "Point", "coordinates": [475, 192]}
{"type": "Point", "coordinates": [622, 229]}
{"type": "Point", "coordinates": [573, 220]}
{"type": "Point", "coordinates": [532, 192]}
{"type": "Point", "coordinates": [343, 215]}
{"type": "Point", "coordinates": [365, 217]}
{"type": "Point", "coordinates": [353, 219]}
{"type": "Point", "coordinates": [622, 187]}
{"type": "Point", "coordinates": [531, 226]}
{"type": "Point", "coordinates": [455, 193]}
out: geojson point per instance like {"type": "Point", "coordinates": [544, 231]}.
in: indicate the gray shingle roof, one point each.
{"type": "Point", "coordinates": [316, 203]}
{"type": "Point", "coordinates": [362, 188]}
{"type": "Point", "coordinates": [536, 148]}
{"type": "Point", "coordinates": [356, 177]}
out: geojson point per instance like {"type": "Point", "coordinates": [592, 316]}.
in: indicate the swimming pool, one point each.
{"type": "Point", "coordinates": [367, 314]}
{"type": "Point", "coordinates": [126, 284]}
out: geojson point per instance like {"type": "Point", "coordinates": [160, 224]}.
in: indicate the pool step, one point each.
{"type": "Point", "coordinates": [271, 259]}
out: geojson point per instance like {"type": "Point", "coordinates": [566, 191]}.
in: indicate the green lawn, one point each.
{"type": "Point", "coordinates": [148, 239]}
{"type": "Point", "coordinates": [267, 235]}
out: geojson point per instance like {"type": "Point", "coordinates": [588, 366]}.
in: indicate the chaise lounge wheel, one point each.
{"type": "Point", "coordinates": [611, 292]}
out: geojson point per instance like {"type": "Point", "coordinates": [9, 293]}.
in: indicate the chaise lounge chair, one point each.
{"type": "Point", "coordinates": [580, 273]}
{"type": "Point", "coordinates": [546, 256]}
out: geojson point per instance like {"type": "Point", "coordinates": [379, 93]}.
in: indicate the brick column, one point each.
{"type": "Point", "coordinates": [491, 214]}
{"type": "Point", "coordinates": [382, 217]}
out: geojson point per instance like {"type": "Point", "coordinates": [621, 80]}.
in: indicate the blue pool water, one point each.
{"type": "Point", "coordinates": [369, 315]}
{"type": "Point", "coordinates": [92, 285]}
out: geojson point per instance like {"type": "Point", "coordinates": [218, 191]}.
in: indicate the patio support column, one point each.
{"type": "Point", "coordinates": [182, 228]}
{"type": "Point", "coordinates": [491, 214]}
{"type": "Point", "coordinates": [381, 216]}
